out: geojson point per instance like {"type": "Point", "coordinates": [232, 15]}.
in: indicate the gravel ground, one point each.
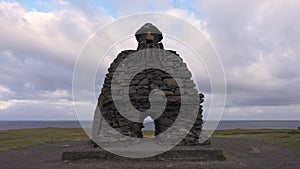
{"type": "Point", "coordinates": [240, 154]}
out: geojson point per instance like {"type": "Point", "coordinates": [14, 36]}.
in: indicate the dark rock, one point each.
{"type": "Point", "coordinates": [141, 86]}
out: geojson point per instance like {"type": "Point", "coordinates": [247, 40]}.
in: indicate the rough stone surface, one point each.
{"type": "Point", "coordinates": [141, 86]}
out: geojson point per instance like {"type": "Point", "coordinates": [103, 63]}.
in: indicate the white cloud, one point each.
{"type": "Point", "coordinates": [4, 105]}
{"type": "Point", "coordinates": [37, 109]}
{"type": "Point", "coordinates": [189, 17]}
{"type": "Point", "coordinates": [4, 90]}
{"type": "Point", "coordinates": [289, 112]}
{"type": "Point", "coordinates": [54, 36]}
{"type": "Point", "coordinates": [56, 94]}
{"type": "Point", "coordinates": [140, 6]}
{"type": "Point", "coordinates": [37, 55]}
{"type": "Point", "coordinates": [258, 42]}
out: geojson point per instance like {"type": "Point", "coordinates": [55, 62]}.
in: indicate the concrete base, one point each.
{"type": "Point", "coordinates": [182, 153]}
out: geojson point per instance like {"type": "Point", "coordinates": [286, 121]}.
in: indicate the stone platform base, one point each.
{"type": "Point", "coordinates": [182, 153]}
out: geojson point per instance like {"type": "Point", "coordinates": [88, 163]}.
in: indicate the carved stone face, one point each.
{"type": "Point", "coordinates": [149, 36]}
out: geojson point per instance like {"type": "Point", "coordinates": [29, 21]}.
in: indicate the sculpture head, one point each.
{"type": "Point", "coordinates": [150, 33]}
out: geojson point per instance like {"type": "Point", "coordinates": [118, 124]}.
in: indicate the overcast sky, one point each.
{"type": "Point", "coordinates": [258, 42]}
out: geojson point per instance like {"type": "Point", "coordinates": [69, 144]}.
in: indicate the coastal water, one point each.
{"type": "Point", "coordinates": [223, 125]}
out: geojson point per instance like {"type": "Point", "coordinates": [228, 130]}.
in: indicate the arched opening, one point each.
{"type": "Point", "coordinates": [149, 127]}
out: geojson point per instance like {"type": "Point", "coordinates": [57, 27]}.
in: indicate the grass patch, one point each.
{"type": "Point", "coordinates": [283, 137]}
{"type": "Point", "coordinates": [148, 134]}
{"type": "Point", "coordinates": [13, 139]}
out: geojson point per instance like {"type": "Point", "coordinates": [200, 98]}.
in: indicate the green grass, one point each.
{"type": "Point", "coordinates": [148, 134]}
{"type": "Point", "coordinates": [13, 139]}
{"type": "Point", "coordinates": [290, 138]}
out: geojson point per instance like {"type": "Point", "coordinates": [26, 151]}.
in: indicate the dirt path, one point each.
{"type": "Point", "coordinates": [240, 154]}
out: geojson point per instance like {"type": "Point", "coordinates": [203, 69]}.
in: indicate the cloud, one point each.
{"type": "Point", "coordinates": [190, 17]}
{"type": "Point", "coordinates": [4, 105]}
{"type": "Point", "coordinates": [258, 42]}
{"type": "Point", "coordinates": [288, 112]}
{"type": "Point", "coordinates": [4, 91]}
{"type": "Point", "coordinates": [37, 54]}
{"type": "Point", "coordinates": [55, 36]}
{"type": "Point", "coordinates": [140, 6]}
{"type": "Point", "coordinates": [37, 109]}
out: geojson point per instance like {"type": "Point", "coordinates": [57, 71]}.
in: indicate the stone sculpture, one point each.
{"type": "Point", "coordinates": [148, 37]}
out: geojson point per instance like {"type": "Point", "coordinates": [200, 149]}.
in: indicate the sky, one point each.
{"type": "Point", "coordinates": [258, 42]}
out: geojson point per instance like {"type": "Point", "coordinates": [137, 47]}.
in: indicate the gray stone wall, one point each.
{"type": "Point", "coordinates": [140, 88]}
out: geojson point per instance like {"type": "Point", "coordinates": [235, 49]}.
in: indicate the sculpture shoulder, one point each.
{"type": "Point", "coordinates": [173, 52]}
{"type": "Point", "coordinates": [122, 55]}
{"type": "Point", "coordinates": [126, 52]}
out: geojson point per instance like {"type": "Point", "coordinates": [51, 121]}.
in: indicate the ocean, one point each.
{"type": "Point", "coordinates": [223, 125]}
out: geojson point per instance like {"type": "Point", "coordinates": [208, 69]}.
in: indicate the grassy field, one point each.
{"type": "Point", "coordinates": [12, 139]}
{"type": "Point", "coordinates": [289, 138]}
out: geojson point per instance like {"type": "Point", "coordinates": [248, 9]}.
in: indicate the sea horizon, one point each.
{"type": "Point", "coordinates": [223, 124]}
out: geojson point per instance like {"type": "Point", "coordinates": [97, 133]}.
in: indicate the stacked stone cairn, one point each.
{"type": "Point", "coordinates": [140, 87]}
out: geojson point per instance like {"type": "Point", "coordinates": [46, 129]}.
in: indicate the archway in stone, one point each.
{"type": "Point", "coordinates": [149, 127]}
